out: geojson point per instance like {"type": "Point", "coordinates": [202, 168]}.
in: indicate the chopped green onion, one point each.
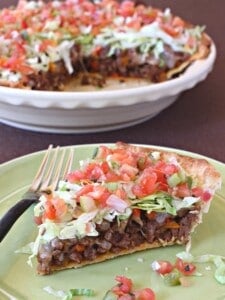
{"type": "Point", "coordinates": [82, 292]}
{"type": "Point", "coordinates": [172, 279]}
{"type": "Point", "coordinates": [70, 294]}
{"type": "Point", "coordinates": [189, 181]}
{"type": "Point", "coordinates": [111, 186]}
{"type": "Point", "coordinates": [185, 256]}
{"type": "Point", "coordinates": [174, 180]}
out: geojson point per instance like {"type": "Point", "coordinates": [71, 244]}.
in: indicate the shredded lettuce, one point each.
{"type": "Point", "coordinates": [57, 293]}
{"type": "Point", "coordinates": [159, 202]}
{"type": "Point", "coordinates": [27, 249]}
{"type": "Point", "coordinates": [70, 294]}
{"type": "Point", "coordinates": [185, 256]}
{"type": "Point", "coordinates": [219, 263]}
{"type": "Point", "coordinates": [47, 232]}
{"type": "Point", "coordinates": [184, 203]}
{"type": "Point", "coordinates": [80, 227]}
{"type": "Point", "coordinates": [110, 296]}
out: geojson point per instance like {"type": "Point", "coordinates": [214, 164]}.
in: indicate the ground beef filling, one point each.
{"type": "Point", "coordinates": [126, 63]}
{"type": "Point", "coordinates": [115, 237]}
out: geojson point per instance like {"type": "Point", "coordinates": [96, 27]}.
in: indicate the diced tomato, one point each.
{"type": "Point", "coordinates": [197, 192]}
{"type": "Point", "coordinates": [88, 6]}
{"type": "Point", "coordinates": [12, 62]}
{"type": "Point", "coordinates": [111, 177]}
{"type": "Point", "coordinates": [137, 191]}
{"type": "Point", "coordinates": [182, 190]}
{"type": "Point", "coordinates": [169, 29]}
{"type": "Point", "coordinates": [147, 184]}
{"type": "Point", "coordinates": [184, 267]}
{"type": "Point", "coordinates": [164, 267]}
{"type": "Point", "coordinates": [136, 212]}
{"type": "Point", "coordinates": [162, 186]}
{"type": "Point", "coordinates": [145, 294]}
{"type": "Point", "coordinates": [60, 207]}
{"type": "Point", "coordinates": [152, 215]}
{"type": "Point", "coordinates": [125, 284]}
{"type": "Point", "coordinates": [128, 172]}
{"type": "Point", "coordinates": [127, 8]}
{"type": "Point", "coordinates": [206, 196]}
{"type": "Point", "coordinates": [148, 15]}
{"type": "Point", "coordinates": [178, 22]}
{"type": "Point", "coordinates": [124, 290]}
{"type": "Point", "coordinates": [75, 176]}
{"type": "Point", "coordinates": [135, 24]}
{"type": "Point", "coordinates": [85, 190]}
{"type": "Point", "coordinates": [119, 156]}
{"type": "Point", "coordinates": [50, 211]}
{"type": "Point", "coordinates": [55, 209]}
{"type": "Point", "coordinates": [99, 193]}
{"type": "Point", "coordinates": [45, 44]}
{"type": "Point", "coordinates": [120, 193]}
{"type": "Point", "coordinates": [85, 19]}
{"type": "Point", "coordinates": [7, 16]}
{"type": "Point", "coordinates": [105, 167]}
{"type": "Point", "coordinates": [38, 220]}
{"type": "Point", "coordinates": [24, 24]}
{"type": "Point", "coordinates": [45, 14]}
{"type": "Point", "coordinates": [93, 171]}
{"type": "Point", "coordinates": [166, 169]}
{"type": "Point", "coordinates": [24, 69]}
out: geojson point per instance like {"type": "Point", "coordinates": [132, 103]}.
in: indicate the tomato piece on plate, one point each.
{"type": "Point", "coordinates": [184, 267]}
{"type": "Point", "coordinates": [145, 294]}
{"type": "Point", "coordinates": [125, 284]}
{"type": "Point", "coordinates": [162, 267]}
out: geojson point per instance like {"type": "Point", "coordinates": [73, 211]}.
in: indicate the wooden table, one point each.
{"type": "Point", "coordinates": [196, 122]}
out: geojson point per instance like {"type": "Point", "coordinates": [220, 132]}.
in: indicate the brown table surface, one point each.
{"type": "Point", "coordinates": [196, 122]}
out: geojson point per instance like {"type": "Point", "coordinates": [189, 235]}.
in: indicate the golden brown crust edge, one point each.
{"type": "Point", "coordinates": [202, 53]}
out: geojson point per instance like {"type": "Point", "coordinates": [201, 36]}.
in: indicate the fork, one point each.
{"type": "Point", "coordinates": [51, 170]}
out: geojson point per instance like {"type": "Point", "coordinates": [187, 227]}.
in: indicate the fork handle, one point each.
{"type": "Point", "coordinates": [11, 216]}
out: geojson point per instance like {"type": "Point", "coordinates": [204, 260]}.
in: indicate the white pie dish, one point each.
{"type": "Point", "coordinates": [99, 110]}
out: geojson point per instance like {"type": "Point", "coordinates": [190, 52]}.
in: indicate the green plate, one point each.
{"type": "Point", "coordinates": [19, 281]}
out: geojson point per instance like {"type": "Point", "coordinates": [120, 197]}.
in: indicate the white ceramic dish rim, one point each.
{"type": "Point", "coordinates": [121, 97]}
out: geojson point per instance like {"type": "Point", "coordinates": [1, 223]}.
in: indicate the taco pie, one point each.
{"type": "Point", "coordinates": [45, 45]}
{"type": "Point", "coordinates": [124, 199]}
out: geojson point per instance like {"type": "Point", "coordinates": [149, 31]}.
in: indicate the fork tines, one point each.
{"type": "Point", "coordinates": [57, 162]}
